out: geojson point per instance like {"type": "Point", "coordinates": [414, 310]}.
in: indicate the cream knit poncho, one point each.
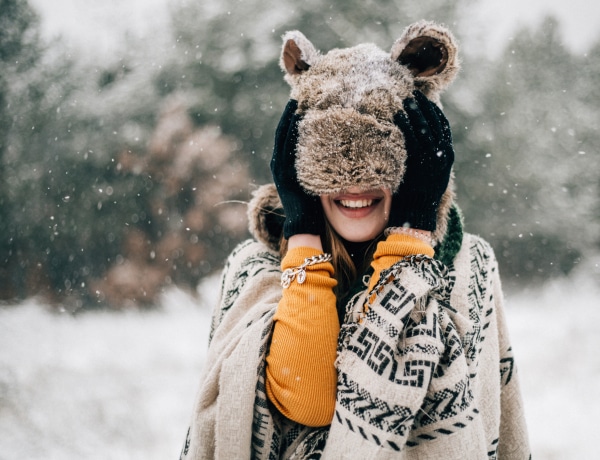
{"type": "Point", "coordinates": [426, 373]}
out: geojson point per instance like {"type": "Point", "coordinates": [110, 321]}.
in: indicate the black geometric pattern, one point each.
{"type": "Point", "coordinates": [457, 423]}
{"type": "Point", "coordinates": [250, 267]}
{"type": "Point", "coordinates": [432, 271]}
{"type": "Point", "coordinates": [507, 363]}
{"type": "Point", "coordinates": [386, 349]}
{"type": "Point", "coordinates": [478, 288]}
{"type": "Point", "coordinates": [262, 418]}
{"type": "Point", "coordinates": [493, 450]}
{"type": "Point", "coordinates": [392, 419]}
{"type": "Point", "coordinates": [186, 445]}
{"type": "Point", "coordinates": [445, 404]}
{"type": "Point", "coordinates": [311, 446]}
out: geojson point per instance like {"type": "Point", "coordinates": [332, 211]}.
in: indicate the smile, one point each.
{"type": "Point", "coordinates": [357, 214]}
{"type": "Point", "coordinates": [356, 203]}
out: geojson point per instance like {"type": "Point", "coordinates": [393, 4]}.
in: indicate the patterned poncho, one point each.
{"type": "Point", "coordinates": [425, 367]}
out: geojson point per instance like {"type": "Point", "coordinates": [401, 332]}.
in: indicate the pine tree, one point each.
{"type": "Point", "coordinates": [20, 50]}
{"type": "Point", "coordinates": [525, 159]}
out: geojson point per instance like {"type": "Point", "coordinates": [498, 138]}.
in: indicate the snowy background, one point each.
{"type": "Point", "coordinates": [121, 385]}
{"type": "Point", "coordinates": [100, 24]}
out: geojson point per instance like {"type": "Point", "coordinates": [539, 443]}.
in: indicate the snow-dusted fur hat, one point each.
{"type": "Point", "coordinates": [348, 98]}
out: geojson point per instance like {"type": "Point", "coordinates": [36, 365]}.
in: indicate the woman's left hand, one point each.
{"type": "Point", "coordinates": [430, 155]}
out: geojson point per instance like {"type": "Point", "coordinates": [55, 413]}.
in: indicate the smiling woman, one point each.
{"type": "Point", "coordinates": [361, 322]}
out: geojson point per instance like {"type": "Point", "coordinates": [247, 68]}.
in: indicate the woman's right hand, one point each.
{"type": "Point", "coordinates": [303, 212]}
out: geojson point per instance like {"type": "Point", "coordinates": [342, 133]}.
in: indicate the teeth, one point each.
{"type": "Point", "coordinates": [356, 203]}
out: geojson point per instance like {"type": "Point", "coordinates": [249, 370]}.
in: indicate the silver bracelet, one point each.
{"type": "Point", "coordinates": [411, 232]}
{"type": "Point", "coordinates": [288, 275]}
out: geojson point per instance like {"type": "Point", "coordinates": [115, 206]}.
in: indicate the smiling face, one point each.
{"type": "Point", "coordinates": [358, 215]}
{"type": "Point", "coordinates": [347, 136]}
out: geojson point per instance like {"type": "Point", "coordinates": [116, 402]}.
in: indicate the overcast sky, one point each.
{"type": "Point", "coordinates": [99, 24]}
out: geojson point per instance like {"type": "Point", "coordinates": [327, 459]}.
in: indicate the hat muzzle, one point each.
{"type": "Point", "coordinates": [339, 148]}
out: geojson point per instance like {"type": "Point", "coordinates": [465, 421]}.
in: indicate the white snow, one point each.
{"type": "Point", "coordinates": [100, 385]}
{"type": "Point", "coordinates": [554, 336]}
{"type": "Point", "coordinates": [121, 385]}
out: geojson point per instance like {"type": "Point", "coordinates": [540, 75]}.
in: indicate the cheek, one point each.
{"type": "Point", "coordinates": [325, 205]}
{"type": "Point", "coordinates": [387, 210]}
{"type": "Point", "coordinates": [387, 205]}
{"type": "Point", "coordinates": [385, 217]}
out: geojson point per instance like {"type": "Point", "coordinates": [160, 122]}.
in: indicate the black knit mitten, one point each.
{"type": "Point", "coordinates": [303, 212]}
{"type": "Point", "coordinates": [428, 143]}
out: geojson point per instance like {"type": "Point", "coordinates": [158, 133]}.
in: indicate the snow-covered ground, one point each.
{"type": "Point", "coordinates": [116, 386]}
{"type": "Point", "coordinates": [556, 341]}
{"type": "Point", "coordinates": [100, 385]}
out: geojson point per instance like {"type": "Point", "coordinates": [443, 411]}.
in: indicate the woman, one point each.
{"type": "Point", "coordinates": [342, 332]}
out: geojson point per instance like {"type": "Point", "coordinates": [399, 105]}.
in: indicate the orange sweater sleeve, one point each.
{"type": "Point", "coordinates": [393, 249]}
{"type": "Point", "coordinates": [301, 378]}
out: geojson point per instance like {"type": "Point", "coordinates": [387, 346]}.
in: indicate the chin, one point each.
{"type": "Point", "coordinates": [355, 236]}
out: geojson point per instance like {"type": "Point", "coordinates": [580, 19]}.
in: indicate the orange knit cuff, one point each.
{"type": "Point", "coordinates": [393, 249]}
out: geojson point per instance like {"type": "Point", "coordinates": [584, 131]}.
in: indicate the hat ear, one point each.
{"type": "Point", "coordinates": [424, 57]}
{"type": "Point", "coordinates": [297, 54]}
{"type": "Point", "coordinates": [429, 52]}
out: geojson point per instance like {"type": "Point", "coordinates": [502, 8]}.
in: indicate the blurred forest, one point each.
{"type": "Point", "coordinates": [121, 177]}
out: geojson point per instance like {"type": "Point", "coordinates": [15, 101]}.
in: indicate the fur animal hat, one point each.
{"type": "Point", "coordinates": [348, 98]}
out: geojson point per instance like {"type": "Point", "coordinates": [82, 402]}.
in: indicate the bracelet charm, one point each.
{"type": "Point", "coordinates": [299, 273]}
